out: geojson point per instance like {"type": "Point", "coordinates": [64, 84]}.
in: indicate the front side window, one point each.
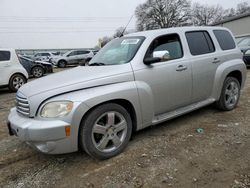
{"type": "Point", "coordinates": [73, 53]}
{"type": "Point", "coordinates": [225, 39]}
{"type": "Point", "coordinates": [199, 42]}
{"type": "Point", "coordinates": [37, 55]}
{"type": "Point", "coordinates": [4, 55]}
{"type": "Point", "coordinates": [165, 47]}
{"type": "Point", "coordinates": [118, 51]}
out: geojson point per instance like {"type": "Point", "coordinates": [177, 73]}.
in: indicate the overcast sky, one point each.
{"type": "Point", "coordinates": [27, 24]}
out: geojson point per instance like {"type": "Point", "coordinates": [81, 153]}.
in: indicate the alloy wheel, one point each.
{"type": "Point", "coordinates": [18, 82]}
{"type": "Point", "coordinates": [109, 131]}
{"type": "Point", "coordinates": [231, 94]}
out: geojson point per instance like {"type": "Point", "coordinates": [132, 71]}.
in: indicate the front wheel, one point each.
{"type": "Point", "coordinates": [230, 94]}
{"type": "Point", "coordinates": [16, 81]}
{"type": "Point", "coordinates": [106, 131]}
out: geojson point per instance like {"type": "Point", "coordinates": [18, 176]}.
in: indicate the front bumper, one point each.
{"type": "Point", "coordinates": [46, 136]}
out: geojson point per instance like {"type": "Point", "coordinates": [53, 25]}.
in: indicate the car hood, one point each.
{"type": "Point", "coordinates": [77, 78]}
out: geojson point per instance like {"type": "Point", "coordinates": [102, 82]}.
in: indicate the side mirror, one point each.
{"type": "Point", "coordinates": [151, 60]}
{"type": "Point", "coordinates": [163, 54]}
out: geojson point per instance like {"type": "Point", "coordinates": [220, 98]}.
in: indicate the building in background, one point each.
{"type": "Point", "coordinates": [239, 25]}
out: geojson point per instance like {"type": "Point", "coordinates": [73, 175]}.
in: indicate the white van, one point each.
{"type": "Point", "coordinates": [12, 73]}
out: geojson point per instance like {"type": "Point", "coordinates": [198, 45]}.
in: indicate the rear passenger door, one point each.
{"type": "Point", "coordinates": [205, 61]}
{"type": "Point", "coordinates": [82, 54]}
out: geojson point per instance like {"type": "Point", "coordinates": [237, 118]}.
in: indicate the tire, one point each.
{"type": "Point", "coordinates": [37, 72]}
{"type": "Point", "coordinates": [16, 81]}
{"type": "Point", "coordinates": [62, 64]}
{"type": "Point", "coordinates": [230, 94]}
{"type": "Point", "coordinates": [99, 134]}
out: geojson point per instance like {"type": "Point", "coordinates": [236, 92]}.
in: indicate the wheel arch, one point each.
{"type": "Point", "coordinates": [122, 102]}
{"type": "Point", "coordinates": [18, 73]}
{"type": "Point", "coordinates": [236, 74]}
{"type": "Point", "coordinates": [234, 68]}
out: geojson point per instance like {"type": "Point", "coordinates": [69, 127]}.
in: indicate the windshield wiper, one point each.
{"type": "Point", "coordinates": [96, 64]}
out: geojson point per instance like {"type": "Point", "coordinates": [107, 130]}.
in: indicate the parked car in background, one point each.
{"type": "Point", "coordinates": [36, 68]}
{"type": "Point", "coordinates": [246, 56]}
{"type": "Point", "coordinates": [244, 45]}
{"type": "Point", "coordinates": [12, 73]}
{"type": "Point", "coordinates": [44, 56]}
{"type": "Point", "coordinates": [135, 81]}
{"type": "Point", "coordinates": [73, 57]}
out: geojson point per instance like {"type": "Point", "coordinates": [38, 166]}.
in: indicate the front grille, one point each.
{"type": "Point", "coordinates": [22, 105]}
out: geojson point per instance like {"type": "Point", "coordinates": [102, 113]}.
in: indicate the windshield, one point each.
{"type": "Point", "coordinates": [244, 42]}
{"type": "Point", "coordinates": [118, 51]}
{"type": "Point", "coordinates": [25, 58]}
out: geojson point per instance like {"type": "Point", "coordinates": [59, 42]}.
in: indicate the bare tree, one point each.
{"type": "Point", "coordinates": [229, 13]}
{"type": "Point", "coordinates": [119, 32]}
{"type": "Point", "coordinates": [243, 8]}
{"type": "Point", "coordinates": [104, 40]}
{"type": "Point", "coordinates": [155, 14]}
{"type": "Point", "coordinates": [206, 15]}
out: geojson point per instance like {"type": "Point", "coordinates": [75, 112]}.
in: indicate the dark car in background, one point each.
{"type": "Point", "coordinates": [244, 45]}
{"type": "Point", "coordinates": [36, 69]}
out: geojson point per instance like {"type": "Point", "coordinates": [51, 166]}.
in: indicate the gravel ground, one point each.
{"type": "Point", "coordinates": [172, 154]}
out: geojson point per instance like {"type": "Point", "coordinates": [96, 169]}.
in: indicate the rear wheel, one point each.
{"type": "Point", "coordinates": [16, 81]}
{"type": "Point", "coordinates": [230, 94]}
{"type": "Point", "coordinates": [37, 72]}
{"type": "Point", "coordinates": [106, 131]}
{"type": "Point", "coordinates": [62, 64]}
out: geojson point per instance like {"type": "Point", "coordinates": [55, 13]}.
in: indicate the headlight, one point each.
{"type": "Point", "coordinates": [56, 109]}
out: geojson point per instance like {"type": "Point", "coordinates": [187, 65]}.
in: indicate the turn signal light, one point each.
{"type": "Point", "coordinates": [67, 131]}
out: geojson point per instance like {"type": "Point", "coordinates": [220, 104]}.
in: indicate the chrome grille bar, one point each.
{"type": "Point", "coordinates": [22, 105]}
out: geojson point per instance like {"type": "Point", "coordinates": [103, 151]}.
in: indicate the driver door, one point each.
{"type": "Point", "coordinates": [72, 57]}
{"type": "Point", "coordinates": [170, 79]}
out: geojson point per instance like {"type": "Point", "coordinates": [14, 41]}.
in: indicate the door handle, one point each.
{"type": "Point", "coordinates": [216, 60]}
{"type": "Point", "coordinates": [181, 68]}
{"type": "Point", "coordinates": [7, 65]}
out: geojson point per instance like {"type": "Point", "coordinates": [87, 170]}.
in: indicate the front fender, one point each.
{"type": "Point", "coordinates": [94, 96]}
{"type": "Point", "coordinates": [223, 70]}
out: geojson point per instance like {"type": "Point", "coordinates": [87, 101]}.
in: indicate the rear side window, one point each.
{"type": "Point", "coordinates": [199, 42]}
{"type": "Point", "coordinates": [82, 52]}
{"type": "Point", "coordinates": [4, 55]}
{"type": "Point", "coordinates": [225, 39]}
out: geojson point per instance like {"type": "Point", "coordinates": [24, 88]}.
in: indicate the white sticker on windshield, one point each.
{"type": "Point", "coordinates": [130, 41]}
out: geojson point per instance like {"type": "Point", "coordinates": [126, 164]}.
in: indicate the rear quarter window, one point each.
{"type": "Point", "coordinates": [4, 55]}
{"type": "Point", "coordinates": [225, 39]}
{"type": "Point", "coordinates": [199, 42]}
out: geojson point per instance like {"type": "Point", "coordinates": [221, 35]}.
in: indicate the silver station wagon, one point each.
{"type": "Point", "coordinates": [135, 81]}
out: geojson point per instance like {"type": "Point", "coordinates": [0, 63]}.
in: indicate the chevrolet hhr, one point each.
{"type": "Point", "coordinates": [135, 81]}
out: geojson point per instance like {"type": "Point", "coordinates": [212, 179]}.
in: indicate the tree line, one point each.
{"type": "Point", "coordinates": [157, 14]}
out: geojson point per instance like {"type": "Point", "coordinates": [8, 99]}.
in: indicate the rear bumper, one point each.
{"type": "Point", "coordinates": [46, 136]}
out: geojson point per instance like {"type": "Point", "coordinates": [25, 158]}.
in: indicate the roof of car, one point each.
{"type": "Point", "coordinates": [7, 49]}
{"type": "Point", "coordinates": [173, 30]}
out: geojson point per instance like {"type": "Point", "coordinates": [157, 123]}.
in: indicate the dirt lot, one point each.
{"type": "Point", "coordinates": [172, 154]}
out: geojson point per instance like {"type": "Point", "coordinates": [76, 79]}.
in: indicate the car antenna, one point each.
{"type": "Point", "coordinates": [122, 34]}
